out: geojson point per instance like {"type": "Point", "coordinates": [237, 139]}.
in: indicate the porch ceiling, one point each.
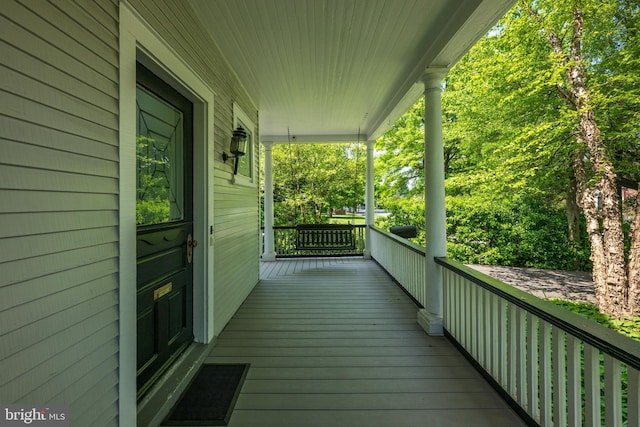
{"type": "Point", "coordinates": [323, 69]}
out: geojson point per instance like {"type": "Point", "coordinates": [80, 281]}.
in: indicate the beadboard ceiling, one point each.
{"type": "Point", "coordinates": [322, 70]}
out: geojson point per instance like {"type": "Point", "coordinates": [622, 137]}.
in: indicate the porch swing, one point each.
{"type": "Point", "coordinates": [327, 237]}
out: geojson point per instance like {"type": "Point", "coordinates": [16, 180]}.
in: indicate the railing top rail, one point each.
{"type": "Point", "coordinates": [608, 341]}
{"type": "Point", "coordinates": [401, 241]}
{"type": "Point", "coordinates": [325, 227]}
{"type": "Point", "coordinates": [293, 227]}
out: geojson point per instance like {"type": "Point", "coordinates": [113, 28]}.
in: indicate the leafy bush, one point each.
{"type": "Point", "coordinates": [518, 233]}
{"type": "Point", "coordinates": [404, 211]}
{"type": "Point", "coordinates": [152, 211]}
{"type": "Point", "coordinates": [629, 326]}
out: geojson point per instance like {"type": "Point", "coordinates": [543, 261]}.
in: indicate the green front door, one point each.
{"type": "Point", "coordinates": [164, 216]}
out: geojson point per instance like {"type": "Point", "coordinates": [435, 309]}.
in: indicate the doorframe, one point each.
{"type": "Point", "coordinates": [139, 42]}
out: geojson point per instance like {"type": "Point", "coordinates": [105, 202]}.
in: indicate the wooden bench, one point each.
{"type": "Point", "coordinates": [321, 237]}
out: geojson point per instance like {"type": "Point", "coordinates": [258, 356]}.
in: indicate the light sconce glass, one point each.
{"type": "Point", "coordinates": [238, 147]}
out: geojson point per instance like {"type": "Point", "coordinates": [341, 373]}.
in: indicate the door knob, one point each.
{"type": "Point", "coordinates": [191, 243]}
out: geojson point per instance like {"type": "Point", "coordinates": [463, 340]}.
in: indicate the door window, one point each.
{"type": "Point", "coordinates": [160, 160]}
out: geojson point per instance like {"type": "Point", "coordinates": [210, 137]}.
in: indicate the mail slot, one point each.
{"type": "Point", "coordinates": [162, 291]}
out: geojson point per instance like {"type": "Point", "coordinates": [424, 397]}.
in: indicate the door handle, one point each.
{"type": "Point", "coordinates": [191, 243]}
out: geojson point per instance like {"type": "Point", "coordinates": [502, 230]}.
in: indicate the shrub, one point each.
{"type": "Point", "coordinates": [519, 233]}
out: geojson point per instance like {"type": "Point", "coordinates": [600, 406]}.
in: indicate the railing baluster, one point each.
{"type": "Point", "coordinates": [559, 378]}
{"type": "Point", "coordinates": [592, 385]}
{"type": "Point", "coordinates": [512, 351]}
{"type": "Point", "coordinates": [487, 331]}
{"type": "Point", "coordinates": [633, 397]}
{"type": "Point", "coordinates": [532, 366]}
{"type": "Point", "coordinates": [464, 333]}
{"type": "Point", "coordinates": [473, 316]}
{"type": "Point", "coordinates": [481, 326]}
{"type": "Point", "coordinates": [574, 383]}
{"type": "Point", "coordinates": [451, 314]}
{"type": "Point", "coordinates": [544, 379]}
{"type": "Point", "coordinates": [521, 369]}
{"type": "Point", "coordinates": [502, 342]}
{"type": "Point", "coordinates": [495, 336]}
{"type": "Point", "coordinates": [459, 306]}
{"type": "Point", "coordinates": [612, 392]}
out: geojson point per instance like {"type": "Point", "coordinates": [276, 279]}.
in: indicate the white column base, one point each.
{"type": "Point", "coordinates": [430, 323]}
{"type": "Point", "coordinates": [268, 257]}
{"type": "Point", "coordinates": [366, 254]}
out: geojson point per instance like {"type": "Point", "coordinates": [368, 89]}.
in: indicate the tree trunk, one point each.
{"type": "Point", "coordinates": [633, 268]}
{"type": "Point", "coordinates": [572, 211]}
{"type": "Point", "coordinates": [612, 282]}
{"type": "Point", "coordinates": [599, 197]}
{"type": "Point", "coordinates": [589, 207]}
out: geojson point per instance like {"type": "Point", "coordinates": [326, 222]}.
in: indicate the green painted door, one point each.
{"type": "Point", "coordinates": [164, 216]}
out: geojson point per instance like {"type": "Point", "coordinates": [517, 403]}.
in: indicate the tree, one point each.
{"type": "Point", "coordinates": [543, 113]}
{"type": "Point", "coordinates": [616, 271]}
{"type": "Point", "coordinates": [400, 156]}
{"type": "Point", "coordinates": [310, 180]}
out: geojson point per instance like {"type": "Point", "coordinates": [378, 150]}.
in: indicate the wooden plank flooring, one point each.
{"type": "Point", "coordinates": [334, 342]}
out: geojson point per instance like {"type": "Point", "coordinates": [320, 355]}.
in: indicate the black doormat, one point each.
{"type": "Point", "coordinates": [211, 396]}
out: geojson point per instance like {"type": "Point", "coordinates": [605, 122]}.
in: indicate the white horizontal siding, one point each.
{"type": "Point", "coordinates": [236, 215]}
{"type": "Point", "coordinates": [58, 210]}
{"type": "Point", "coordinates": [62, 140]}
{"type": "Point", "coordinates": [22, 224]}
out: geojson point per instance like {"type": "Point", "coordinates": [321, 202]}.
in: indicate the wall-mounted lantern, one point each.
{"type": "Point", "coordinates": [238, 147]}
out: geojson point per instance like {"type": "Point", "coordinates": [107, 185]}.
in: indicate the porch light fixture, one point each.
{"type": "Point", "coordinates": [238, 147]}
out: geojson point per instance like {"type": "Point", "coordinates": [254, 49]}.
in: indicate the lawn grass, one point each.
{"type": "Point", "coordinates": [347, 219]}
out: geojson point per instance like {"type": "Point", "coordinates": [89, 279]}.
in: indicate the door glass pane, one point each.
{"type": "Point", "coordinates": [160, 160]}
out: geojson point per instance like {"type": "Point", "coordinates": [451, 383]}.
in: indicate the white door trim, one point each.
{"type": "Point", "coordinates": [139, 42]}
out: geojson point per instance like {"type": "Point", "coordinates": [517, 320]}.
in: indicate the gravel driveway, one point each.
{"type": "Point", "coordinates": [569, 285]}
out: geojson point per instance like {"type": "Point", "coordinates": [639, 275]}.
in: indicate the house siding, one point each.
{"type": "Point", "coordinates": [236, 207]}
{"type": "Point", "coordinates": [58, 206]}
{"type": "Point", "coordinates": [59, 166]}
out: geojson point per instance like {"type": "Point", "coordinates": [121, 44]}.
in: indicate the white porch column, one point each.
{"type": "Point", "coordinates": [430, 318]}
{"type": "Point", "coordinates": [369, 200]}
{"type": "Point", "coordinates": [269, 253]}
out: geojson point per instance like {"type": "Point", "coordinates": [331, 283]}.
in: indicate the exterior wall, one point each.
{"type": "Point", "coordinates": [58, 206]}
{"type": "Point", "coordinates": [59, 198]}
{"type": "Point", "coordinates": [236, 207]}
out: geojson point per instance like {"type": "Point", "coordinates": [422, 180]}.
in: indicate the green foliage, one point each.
{"type": "Point", "coordinates": [509, 135]}
{"type": "Point", "coordinates": [519, 232]}
{"type": "Point", "coordinates": [400, 154]}
{"type": "Point", "coordinates": [152, 211]}
{"type": "Point", "coordinates": [629, 326]}
{"type": "Point", "coordinates": [404, 211]}
{"type": "Point", "coordinates": [153, 192]}
{"type": "Point", "coordinates": [310, 180]}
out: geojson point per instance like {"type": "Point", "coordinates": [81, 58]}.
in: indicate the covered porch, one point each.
{"type": "Point", "coordinates": [334, 342]}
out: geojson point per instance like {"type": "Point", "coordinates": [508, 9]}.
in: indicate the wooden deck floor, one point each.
{"type": "Point", "coordinates": [334, 342]}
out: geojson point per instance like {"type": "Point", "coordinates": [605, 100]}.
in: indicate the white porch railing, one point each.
{"type": "Point", "coordinates": [555, 367]}
{"type": "Point", "coordinates": [402, 259]}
